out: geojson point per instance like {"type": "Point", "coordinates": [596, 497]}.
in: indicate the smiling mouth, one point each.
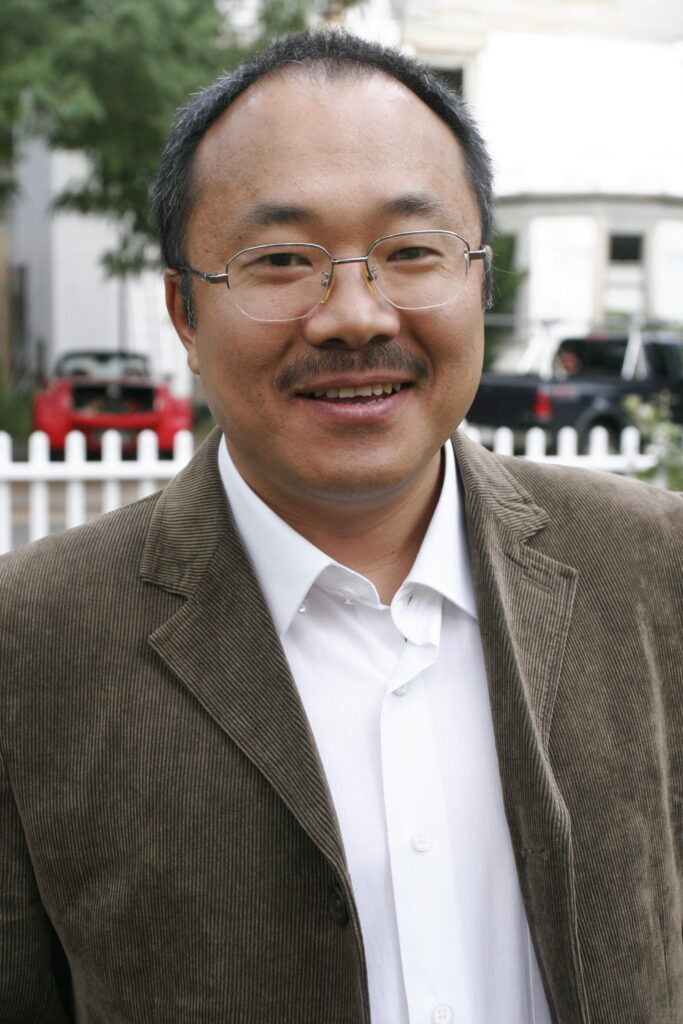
{"type": "Point", "coordinates": [364, 392]}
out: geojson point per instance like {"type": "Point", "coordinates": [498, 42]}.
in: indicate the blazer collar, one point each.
{"type": "Point", "coordinates": [193, 549]}
{"type": "Point", "coordinates": [516, 584]}
{"type": "Point", "coordinates": [222, 644]}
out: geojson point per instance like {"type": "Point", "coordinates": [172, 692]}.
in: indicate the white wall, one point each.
{"type": "Point", "coordinates": [578, 114]}
{"type": "Point", "coordinates": [85, 301]}
{"type": "Point", "coordinates": [435, 23]}
{"type": "Point", "coordinates": [666, 269]}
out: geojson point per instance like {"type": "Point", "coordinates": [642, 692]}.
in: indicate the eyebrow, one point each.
{"type": "Point", "coordinates": [262, 215]}
{"type": "Point", "coordinates": [415, 204]}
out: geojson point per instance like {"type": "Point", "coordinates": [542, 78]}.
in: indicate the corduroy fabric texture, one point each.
{"type": "Point", "coordinates": [168, 847]}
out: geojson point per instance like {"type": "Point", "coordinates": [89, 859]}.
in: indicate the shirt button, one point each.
{"type": "Point", "coordinates": [302, 608]}
{"type": "Point", "coordinates": [348, 600]}
{"type": "Point", "coordinates": [401, 690]}
{"type": "Point", "coordinates": [442, 1014]}
{"type": "Point", "coordinates": [421, 841]}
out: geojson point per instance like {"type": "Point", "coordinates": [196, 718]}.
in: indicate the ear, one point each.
{"type": "Point", "coordinates": [176, 311]}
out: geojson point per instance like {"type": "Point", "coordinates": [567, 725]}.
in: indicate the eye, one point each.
{"type": "Point", "coordinates": [284, 259]}
{"type": "Point", "coordinates": [410, 252]}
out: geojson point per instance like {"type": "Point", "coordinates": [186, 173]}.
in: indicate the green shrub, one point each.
{"type": "Point", "coordinates": [15, 411]}
{"type": "Point", "coordinates": [664, 438]}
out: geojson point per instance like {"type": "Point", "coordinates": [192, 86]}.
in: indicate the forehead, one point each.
{"type": "Point", "coordinates": [340, 150]}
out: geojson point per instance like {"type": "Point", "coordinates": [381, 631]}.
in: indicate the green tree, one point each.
{"type": "Point", "coordinates": [105, 77]}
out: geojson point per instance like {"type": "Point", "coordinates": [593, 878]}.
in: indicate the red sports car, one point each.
{"type": "Point", "coordinates": [94, 391]}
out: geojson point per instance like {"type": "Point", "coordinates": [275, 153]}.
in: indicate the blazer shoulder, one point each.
{"type": "Point", "coordinates": [569, 484]}
{"type": "Point", "coordinates": [579, 516]}
{"type": "Point", "coordinates": [565, 489]}
{"type": "Point", "coordinates": [100, 550]}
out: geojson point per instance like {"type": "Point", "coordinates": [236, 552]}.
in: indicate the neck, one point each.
{"type": "Point", "coordinates": [378, 539]}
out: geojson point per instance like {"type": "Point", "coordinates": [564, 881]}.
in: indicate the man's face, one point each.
{"type": "Point", "coordinates": [337, 163]}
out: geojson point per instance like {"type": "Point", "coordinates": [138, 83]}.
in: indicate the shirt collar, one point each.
{"type": "Point", "coordinates": [443, 561]}
{"type": "Point", "coordinates": [287, 565]}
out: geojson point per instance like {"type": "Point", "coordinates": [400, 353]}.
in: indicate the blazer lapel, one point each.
{"type": "Point", "coordinates": [533, 592]}
{"type": "Point", "coordinates": [222, 645]}
{"type": "Point", "coordinates": [525, 603]}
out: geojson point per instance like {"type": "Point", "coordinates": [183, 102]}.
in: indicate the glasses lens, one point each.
{"type": "Point", "coordinates": [419, 270]}
{"type": "Point", "coordinates": [278, 282]}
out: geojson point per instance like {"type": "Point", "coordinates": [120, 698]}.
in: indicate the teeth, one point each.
{"type": "Point", "coordinates": [364, 391]}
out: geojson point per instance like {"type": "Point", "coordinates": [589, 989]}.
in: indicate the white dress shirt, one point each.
{"type": "Point", "coordinates": [398, 703]}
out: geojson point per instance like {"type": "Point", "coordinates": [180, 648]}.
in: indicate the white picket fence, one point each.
{"type": "Point", "coordinates": [40, 496]}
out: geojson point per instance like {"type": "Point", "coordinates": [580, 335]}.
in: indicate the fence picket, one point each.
{"type": "Point", "coordinates": [148, 458]}
{"type": "Point", "coordinates": [534, 443]}
{"type": "Point", "coordinates": [75, 455]}
{"type": "Point", "coordinates": [111, 461]}
{"type": "Point", "coordinates": [31, 517]}
{"type": "Point", "coordinates": [567, 443]}
{"type": "Point", "coordinates": [598, 443]}
{"type": "Point", "coordinates": [39, 497]}
{"type": "Point", "coordinates": [504, 441]}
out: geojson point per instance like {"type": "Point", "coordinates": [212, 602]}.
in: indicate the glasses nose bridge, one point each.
{"type": "Point", "coordinates": [327, 278]}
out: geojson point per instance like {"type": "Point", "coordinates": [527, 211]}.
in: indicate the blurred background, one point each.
{"type": "Point", "coordinates": [579, 100]}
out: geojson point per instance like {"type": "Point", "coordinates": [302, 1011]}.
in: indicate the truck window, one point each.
{"type": "Point", "coordinates": [678, 358]}
{"type": "Point", "coordinates": [665, 358]}
{"type": "Point", "coordinates": [585, 357]}
{"type": "Point", "coordinates": [657, 358]}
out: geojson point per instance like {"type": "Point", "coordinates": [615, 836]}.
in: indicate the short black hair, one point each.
{"type": "Point", "coordinates": [332, 53]}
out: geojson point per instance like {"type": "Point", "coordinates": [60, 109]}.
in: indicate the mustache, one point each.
{"type": "Point", "coordinates": [371, 357]}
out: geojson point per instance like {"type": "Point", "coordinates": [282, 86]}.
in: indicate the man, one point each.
{"type": "Point", "coordinates": [347, 724]}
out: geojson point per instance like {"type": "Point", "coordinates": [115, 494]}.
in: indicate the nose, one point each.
{"type": "Point", "coordinates": [353, 313]}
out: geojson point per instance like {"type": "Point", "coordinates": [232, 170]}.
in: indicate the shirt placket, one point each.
{"type": "Point", "coordinates": [419, 841]}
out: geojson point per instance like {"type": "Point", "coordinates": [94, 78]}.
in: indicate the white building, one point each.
{"type": "Point", "coordinates": [579, 101]}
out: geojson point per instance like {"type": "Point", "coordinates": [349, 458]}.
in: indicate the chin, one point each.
{"type": "Point", "coordinates": [362, 485]}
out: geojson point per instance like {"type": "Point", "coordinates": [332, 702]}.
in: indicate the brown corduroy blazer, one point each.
{"type": "Point", "coordinates": [169, 853]}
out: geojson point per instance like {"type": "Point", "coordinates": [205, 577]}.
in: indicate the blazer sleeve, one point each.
{"type": "Point", "coordinates": [34, 981]}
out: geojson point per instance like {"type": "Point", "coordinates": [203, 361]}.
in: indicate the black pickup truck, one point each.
{"type": "Point", "coordinates": [591, 377]}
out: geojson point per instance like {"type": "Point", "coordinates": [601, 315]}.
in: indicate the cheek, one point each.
{"type": "Point", "coordinates": [456, 343]}
{"type": "Point", "coordinates": [238, 364]}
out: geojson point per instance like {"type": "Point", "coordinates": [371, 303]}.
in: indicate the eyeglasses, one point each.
{"type": "Point", "coordinates": [411, 270]}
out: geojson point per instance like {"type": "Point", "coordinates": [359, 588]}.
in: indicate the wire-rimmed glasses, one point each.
{"type": "Point", "coordinates": [287, 280]}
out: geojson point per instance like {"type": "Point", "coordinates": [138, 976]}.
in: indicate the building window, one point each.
{"type": "Point", "coordinates": [625, 248]}
{"type": "Point", "coordinates": [624, 276]}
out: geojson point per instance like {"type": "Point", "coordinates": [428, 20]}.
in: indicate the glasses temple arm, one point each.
{"type": "Point", "coordinates": [210, 278]}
